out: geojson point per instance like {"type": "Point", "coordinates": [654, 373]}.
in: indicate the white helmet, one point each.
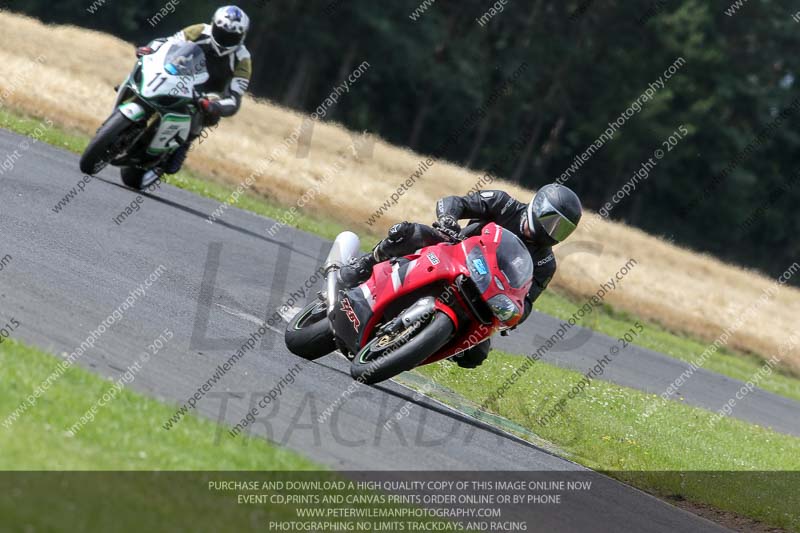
{"type": "Point", "coordinates": [228, 29]}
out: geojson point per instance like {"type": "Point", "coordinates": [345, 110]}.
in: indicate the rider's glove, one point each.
{"type": "Point", "coordinates": [211, 109]}
{"type": "Point", "coordinates": [449, 226]}
{"type": "Point", "coordinates": [143, 51]}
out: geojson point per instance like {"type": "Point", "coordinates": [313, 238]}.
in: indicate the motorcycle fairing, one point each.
{"type": "Point", "coordinates": [393, 286]}
{"type": "Point", "coordinates": [447, 272]}
{"type": "Point", "coordinates": [352, 314]}
{"type": "Point", "coordinates": [159, 91]}
{"type": "Point", "coordinates": [133, 111]}
{"type": "Point", "coordinates": [173, 131]}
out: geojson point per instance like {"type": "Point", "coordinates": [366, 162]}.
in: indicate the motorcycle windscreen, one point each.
{"type": "Point", "coordinates": [186, 60]}
{"type": "Point", "coordinates": [514, 260]}
{"type": "Point", "coordinates": [168, 78]}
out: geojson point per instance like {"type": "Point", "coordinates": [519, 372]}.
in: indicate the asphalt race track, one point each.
{"type": "Point", "coordinates": [70, 270]}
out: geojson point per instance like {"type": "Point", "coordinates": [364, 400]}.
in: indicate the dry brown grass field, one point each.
{"type": "Point", "coordinates": [684, 291]}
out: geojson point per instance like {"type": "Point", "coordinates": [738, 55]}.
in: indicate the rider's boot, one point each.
{"type": "Point", "coordinates": [177, 158]}
{"type": "Point", "coordinates": [172, 165]}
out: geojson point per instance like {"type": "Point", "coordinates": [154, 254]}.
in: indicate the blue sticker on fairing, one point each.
{"type": "Point", "coordinates": [480, 266]}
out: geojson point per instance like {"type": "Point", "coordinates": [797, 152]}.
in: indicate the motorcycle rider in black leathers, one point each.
{"type": "Point", "coordinates": [551, 217]}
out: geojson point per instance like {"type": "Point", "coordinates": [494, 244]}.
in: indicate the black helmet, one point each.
{"type": "Point", "coordinates": [554, 210]}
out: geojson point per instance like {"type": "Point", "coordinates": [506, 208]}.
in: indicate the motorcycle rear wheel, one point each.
{"type": "Point", "coordinates": [105, 145]}
{"type": "Point", "coordinates": [132, 177]}
{"type": "Point", "coordinates": [374, 364]}
{"type": "Point", "coordinates": [309, 334]}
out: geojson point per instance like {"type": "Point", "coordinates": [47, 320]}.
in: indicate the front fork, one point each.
{"type": "Point", "coordinates": [422, 311]}
{"type": "Point", "coordinates": [135, 112]}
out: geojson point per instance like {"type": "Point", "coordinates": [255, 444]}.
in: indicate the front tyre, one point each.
{"type": "Point", "coordinates": [106, 144]}
{"type": "Point", "coordinates": [309, 334]}
{"type": "Point", "coordinates": [383, 358]}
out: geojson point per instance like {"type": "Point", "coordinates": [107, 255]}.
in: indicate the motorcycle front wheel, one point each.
{"type": "Point", "coordinates": [386, 356]}
{"type": "Point", "coordinates": [106, 144]}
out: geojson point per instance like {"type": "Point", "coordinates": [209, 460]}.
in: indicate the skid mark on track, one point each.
{"type": "Point", "coordinates": [286, 315]}
{"type": "Point", "coordinates": [246, 316]}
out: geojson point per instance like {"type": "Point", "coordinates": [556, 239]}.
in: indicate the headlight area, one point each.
{"type": "Point", "coordinates": [503, 308]}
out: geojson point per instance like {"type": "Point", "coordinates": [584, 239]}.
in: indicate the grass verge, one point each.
{"type": "Point", "coordinates": [734, 466]}
{"type": "Point", "coordinates": [731, 363]}
{"type": "Point", "coordinates": [121, 437]}
{"type": "Point", "coordinates": [133, 477]}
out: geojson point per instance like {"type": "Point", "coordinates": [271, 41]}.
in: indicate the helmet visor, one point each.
{"type": "Point", "coordinates": [558, 227]}
{"type": "Point", "coordinates": [554, 223]}
{"type": "Point", "coordinates": [226, 39]}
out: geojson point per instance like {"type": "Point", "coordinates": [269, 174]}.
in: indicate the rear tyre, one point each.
{"type": "Point", "coordinates": [106, 144]}
{"type": "Point", "coordinates": [132, 177]}
{"type": "Point", "coordinates": [384, 358]}
{"type": "Point", "coordinates": [309, 334]}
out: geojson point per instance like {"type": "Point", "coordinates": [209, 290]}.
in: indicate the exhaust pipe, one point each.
{"type": "Point", "coordinates": [345, 247]}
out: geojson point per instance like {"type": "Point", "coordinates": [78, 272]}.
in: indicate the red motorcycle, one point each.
{"type": "Point", "coordinates": [417, 309]}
